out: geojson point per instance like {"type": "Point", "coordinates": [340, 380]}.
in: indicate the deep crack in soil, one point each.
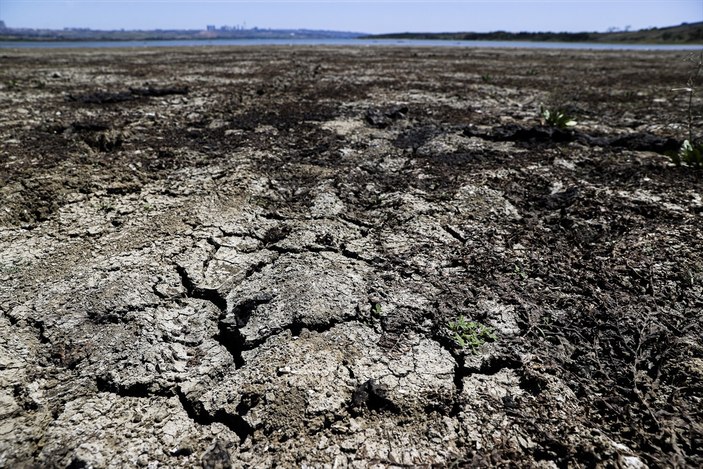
{"type": "Point", "coordinates": [250, 257]}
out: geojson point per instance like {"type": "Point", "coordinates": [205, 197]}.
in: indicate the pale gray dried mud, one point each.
{"type": "Point", "coordinates": [255, 263]}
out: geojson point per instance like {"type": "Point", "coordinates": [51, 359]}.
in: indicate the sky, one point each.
{"type": "Point", "coordinates": [380, 16]}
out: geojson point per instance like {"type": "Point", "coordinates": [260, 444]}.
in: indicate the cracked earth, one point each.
{"type": "Point", "coordinates": [250, 257]}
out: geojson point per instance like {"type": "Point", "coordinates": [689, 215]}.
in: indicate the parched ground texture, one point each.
{"type": "Point", "coordinates": [248, 257]}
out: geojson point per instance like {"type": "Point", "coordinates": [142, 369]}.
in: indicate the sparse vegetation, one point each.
{"type": "Point", "coordinates": [556, 118]}
{"type": "Point", "coordinates": [691, 151]}
{"type": "Point", "coordinates": [470, 334]}
{"type": "Point", "coordinates": [519, 272]}
{"type": "Point", "coordinates": [106, 207]}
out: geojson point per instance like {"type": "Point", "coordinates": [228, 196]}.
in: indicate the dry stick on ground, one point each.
{"type": "Point", "coordinates": [690, 89]}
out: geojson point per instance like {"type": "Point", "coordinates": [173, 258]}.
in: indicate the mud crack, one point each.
{"type": "Point", "coordinates": [141, 390]}
{"type": "Point", "coordinates": [229, 338]}
{"type": "Point", "coordinates": [207, 294]}
{"type": "Point", "coordinates": [232, 421]}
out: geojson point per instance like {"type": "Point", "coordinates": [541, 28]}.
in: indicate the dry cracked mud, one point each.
{"type": "Point", "coordinates": [250, 257]}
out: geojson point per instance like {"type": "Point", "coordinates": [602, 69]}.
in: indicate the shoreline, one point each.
{"type": "Point", "coordinates": [79, 44]}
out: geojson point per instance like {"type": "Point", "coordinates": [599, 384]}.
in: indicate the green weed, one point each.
{"type": "Point", "coordinates": [470, 334]}
{"type": "Point", "coordinates": [106, 207]}
{"type": "Point", "coordinates": [556, 118]}
{"type": "Point", "coordinates": [689, 153]}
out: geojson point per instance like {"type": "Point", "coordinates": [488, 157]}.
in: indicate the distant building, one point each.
{"type": "Point", "coordinates": [211, 27]}
{"type": "Point", "coordinates": [2, 25]}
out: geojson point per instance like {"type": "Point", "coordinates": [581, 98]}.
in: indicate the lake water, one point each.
{"type": "Point", "coordinates": [342, 42]}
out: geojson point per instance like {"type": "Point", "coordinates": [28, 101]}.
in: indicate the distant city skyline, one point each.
{"type": "Point", "coordinates": [384, 16]}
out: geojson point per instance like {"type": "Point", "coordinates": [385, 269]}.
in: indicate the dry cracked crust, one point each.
{"type": "Point", "coordinates": [241, 257]}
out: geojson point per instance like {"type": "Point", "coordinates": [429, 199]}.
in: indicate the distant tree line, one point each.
{"type": "Point", "coordinates": [684, 33]}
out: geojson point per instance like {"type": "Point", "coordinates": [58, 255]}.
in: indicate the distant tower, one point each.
{"type": "Point", "coordinates": [2, 25]}
{"type": "Point", "coordinates": [211, 27]}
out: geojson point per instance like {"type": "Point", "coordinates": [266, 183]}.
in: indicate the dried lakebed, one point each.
{"type": "Point", "coordinates": [250, 257]}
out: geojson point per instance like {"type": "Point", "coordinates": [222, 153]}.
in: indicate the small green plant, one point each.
{"type": "Point", "coordinates": [376, 310]}
{"type": "Point", "coordinates": [470, 333]}
{"type": "Point", "coordinates": [106, 207]}
{"type": "Point", "coordinates": [9, 269]}
{"type": "Point", "coordinates": [262, 202]}
{"type": "Point", "coordinates": [486, 78]}
{"type": "Point", "coordinates": [690, 152]}
{"type": "Point", "coordinates": [519, 272]}
{"type": "Point", "coordinates": [555, 118]}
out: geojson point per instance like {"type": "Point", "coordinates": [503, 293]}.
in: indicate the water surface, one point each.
{"type": "Point", "coordinates": [344, 42]}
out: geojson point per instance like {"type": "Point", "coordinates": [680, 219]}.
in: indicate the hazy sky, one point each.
{"type": "Point", "coordinates": [353, 15]}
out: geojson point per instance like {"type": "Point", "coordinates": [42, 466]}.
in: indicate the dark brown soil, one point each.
{"type": "Point", "coordinates": [582, 249]}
